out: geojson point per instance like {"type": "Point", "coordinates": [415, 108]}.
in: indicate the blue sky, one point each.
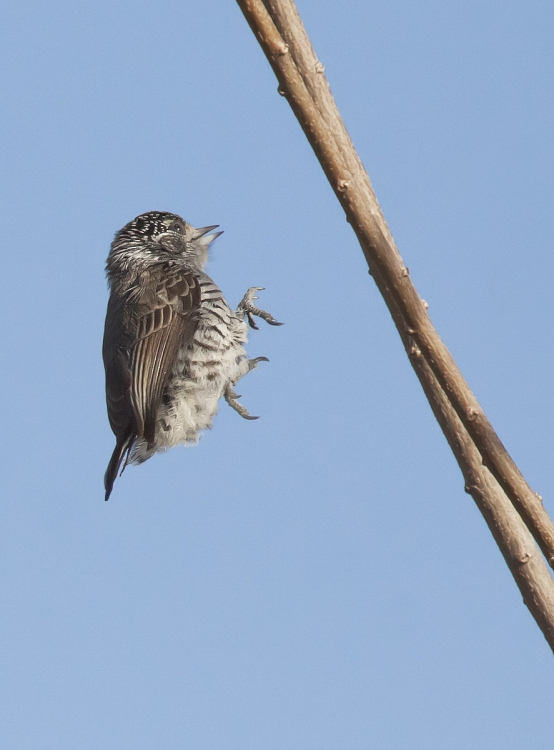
{"type": "Point", "coordinates": [318, 578]}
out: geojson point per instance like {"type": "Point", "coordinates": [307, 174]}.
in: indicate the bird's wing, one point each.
{"type": "Point", "coordinates": [161, 330]}
{"type": "Point", "coordinates": [141, 344]}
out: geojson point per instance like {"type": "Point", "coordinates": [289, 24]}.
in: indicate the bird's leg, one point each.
{"type": "Point", "coordinates": [247, 309]}
{"type": "Point", "coordinates": [231, 397]}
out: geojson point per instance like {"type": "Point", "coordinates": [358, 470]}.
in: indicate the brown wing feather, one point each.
{"type": "Point", "coordinates": [151, 360]}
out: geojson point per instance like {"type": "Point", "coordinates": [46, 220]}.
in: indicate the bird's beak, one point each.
{"type": "Point", "coordinates": [202, 234]}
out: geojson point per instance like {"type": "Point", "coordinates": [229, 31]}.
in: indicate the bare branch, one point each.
{"type": "Point", "coordinates": [303, 82]}
{"type": "Point", "coordinates": [282, 36]}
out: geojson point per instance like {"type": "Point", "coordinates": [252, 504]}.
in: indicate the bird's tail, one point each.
{"type": "Point", "coordinates": [122, 447]}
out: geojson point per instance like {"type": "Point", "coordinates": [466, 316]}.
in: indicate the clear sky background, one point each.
{"type": "Point", "coordinates": [317, 579]}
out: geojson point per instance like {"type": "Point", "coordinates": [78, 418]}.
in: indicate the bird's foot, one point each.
{"type": "Point", "coordinates": [247, 309]}
{"type": "Point", "coordinates": [231, 398]}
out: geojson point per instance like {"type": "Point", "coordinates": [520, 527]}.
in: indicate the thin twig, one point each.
{"type": "Point", "coordinates": [281, 34]}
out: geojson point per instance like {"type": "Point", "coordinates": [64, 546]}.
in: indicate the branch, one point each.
{"type": "Point", "coordinates": [510, 533]}
{"type": "Point", "coordinates": [303, 82]}
{"type": "Point", "coordinates": [282, 36]}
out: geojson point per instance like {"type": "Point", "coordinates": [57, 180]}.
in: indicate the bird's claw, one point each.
{"type": "Point", "coordinates": [252, 363]}
{"type": "Point", "coordinates": [247, 309]}
{"type": "Point", "coordinates": [231, 398]}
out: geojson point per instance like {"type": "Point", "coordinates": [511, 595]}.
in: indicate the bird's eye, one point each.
{"type": "Point", "coordinates": [175, 227]}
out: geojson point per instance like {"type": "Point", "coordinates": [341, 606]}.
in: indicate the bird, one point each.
{"type": "Point", "coordinates": [172, 345]}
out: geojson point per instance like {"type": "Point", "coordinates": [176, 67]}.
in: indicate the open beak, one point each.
{"type": "Point", "coordinates": [202, 234]}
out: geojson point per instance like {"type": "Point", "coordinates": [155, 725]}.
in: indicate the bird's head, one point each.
{"type": "Point", "coordinates": [158, 235]}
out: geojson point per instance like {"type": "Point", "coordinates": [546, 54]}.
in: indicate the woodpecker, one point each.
{"type": "Point", "coordinates": [172, 345]}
